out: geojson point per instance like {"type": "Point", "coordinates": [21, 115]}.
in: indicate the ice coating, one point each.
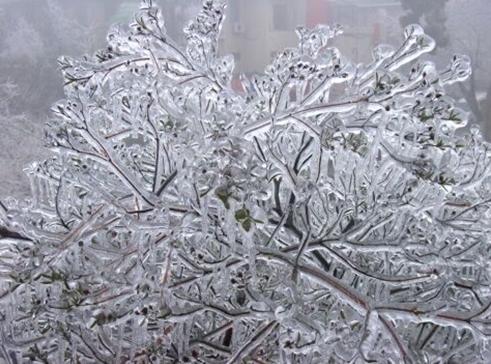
{"type": "Point", "coordinates": [327, 213]}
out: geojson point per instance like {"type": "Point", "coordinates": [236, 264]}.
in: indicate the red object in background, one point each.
{"type": "Point", "coordinates": [376, 35]}
{"type": "Point", "coordinates": [237, 84]}
{"type": "Point", "coordinates": [317, 12]}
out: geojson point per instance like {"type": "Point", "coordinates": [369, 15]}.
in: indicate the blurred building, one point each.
{"type": "Point", "coordinates": [256, 29]}
{"type": "Point", "coordinates": [367, 23]}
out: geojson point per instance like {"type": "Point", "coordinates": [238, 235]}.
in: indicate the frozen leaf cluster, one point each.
{"type": "Point", "coordinates": [327, 212]}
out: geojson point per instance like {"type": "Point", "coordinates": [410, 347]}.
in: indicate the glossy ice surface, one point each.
{"type": "Point", "coordinates": [325, 212]}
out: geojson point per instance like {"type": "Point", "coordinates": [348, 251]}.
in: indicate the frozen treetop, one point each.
{"type": "Point", "coordinates": [326, 212]}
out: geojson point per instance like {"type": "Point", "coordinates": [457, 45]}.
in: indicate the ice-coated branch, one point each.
{"type": "Point", "coordinates": [326, 213]}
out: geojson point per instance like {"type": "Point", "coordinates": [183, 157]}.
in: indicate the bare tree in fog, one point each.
{"type": "Point", "coordinates": [31, 42]}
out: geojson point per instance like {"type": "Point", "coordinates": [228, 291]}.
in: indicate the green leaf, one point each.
{"type": "Point", "coordinates": [242, 214]}
{"type": "Point", "coordinates": [247, 224]}
{"type": "Point", "coordinates": [425, 117]}
{"type": "Point", "coordinates": [223, 195]}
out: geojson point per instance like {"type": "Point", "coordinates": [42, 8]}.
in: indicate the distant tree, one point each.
{"type": "Point", "coordinates": [8, 91]}
{"type": "Point", "coordinates": [16, 130]}
{"type": "Point", "coordinates": [23, 57]}
{"type": "Point", "coordinates": [180, 221]}
{"type": "Point", "coordinates": [431, 15]}
{"type": "Point", "coordinates": [30, 44]}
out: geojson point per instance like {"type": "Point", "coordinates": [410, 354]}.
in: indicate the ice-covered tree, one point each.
{"type": "Point", "coordinates": [432, 14]}
{"type": "Point", "coordinates": [327, 213]}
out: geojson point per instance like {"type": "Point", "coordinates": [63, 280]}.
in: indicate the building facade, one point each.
{"type": "Point", "coordinates": [256, 29]}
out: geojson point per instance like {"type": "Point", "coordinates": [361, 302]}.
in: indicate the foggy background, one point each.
{"type": "Point", "coordinates": [34, 33]}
